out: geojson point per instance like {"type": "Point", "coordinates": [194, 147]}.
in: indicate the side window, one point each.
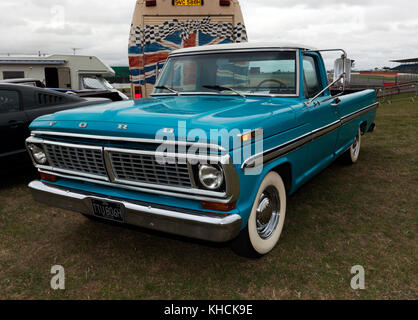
{"type": "Point", "coordinates": [311, 77]}
{"type": "Point", "coordinates": [9, 101]}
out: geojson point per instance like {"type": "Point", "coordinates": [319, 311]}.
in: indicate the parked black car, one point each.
{"type": "Point", "coordinates": [109, 93]}
{"type": "Point", "coordinates": [20, 105]}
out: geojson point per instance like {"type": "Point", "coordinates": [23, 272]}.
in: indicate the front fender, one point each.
{"type": "Point", "coordinates": [250, 183]}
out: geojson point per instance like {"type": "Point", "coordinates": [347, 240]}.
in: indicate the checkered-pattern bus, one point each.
{"type": "Point", "coordinates": [160, 26]}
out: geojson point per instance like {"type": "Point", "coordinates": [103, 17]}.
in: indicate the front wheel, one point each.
{"type": "Point", "coordinates": [266, 221]}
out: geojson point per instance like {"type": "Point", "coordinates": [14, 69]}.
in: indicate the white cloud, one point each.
{"type": "Point", "coordinates": [372, 31]}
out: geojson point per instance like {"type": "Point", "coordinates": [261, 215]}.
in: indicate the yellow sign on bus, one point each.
{"type": "Point", "coordinates": [187, 2]}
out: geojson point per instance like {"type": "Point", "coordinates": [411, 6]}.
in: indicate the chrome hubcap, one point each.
{"type": "Point", "coordinates": [268, 212]}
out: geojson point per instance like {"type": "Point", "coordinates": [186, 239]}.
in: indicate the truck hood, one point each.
{"type": "Point", "coordinates": [144, 118]}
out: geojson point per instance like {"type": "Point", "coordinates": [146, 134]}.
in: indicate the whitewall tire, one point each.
{"type": "Point", "coordinates": [267, 218]}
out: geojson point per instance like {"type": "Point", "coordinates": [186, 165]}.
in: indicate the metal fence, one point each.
{"type": "Point", "coordinates": [372, 81]}
{"type": "Point", "coordinates": [401, 92]}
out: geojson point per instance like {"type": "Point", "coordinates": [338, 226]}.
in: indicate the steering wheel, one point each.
{"type": "Point", "coordinates": [281, 83]}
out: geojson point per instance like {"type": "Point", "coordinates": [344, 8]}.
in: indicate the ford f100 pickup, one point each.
{"type": "Point", "coordinates": [230, 131]}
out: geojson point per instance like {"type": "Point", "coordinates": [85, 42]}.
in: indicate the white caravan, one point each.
{"type": "Point", "coordinates": [72, 72]}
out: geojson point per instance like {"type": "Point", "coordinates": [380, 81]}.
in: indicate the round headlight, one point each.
{"type": "Point", "coordinates": [38, 154]}
{"type": "Point", "coordinates": [211, 177]}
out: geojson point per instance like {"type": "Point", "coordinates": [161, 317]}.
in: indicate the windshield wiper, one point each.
{"type": "Point", "coordinates": [222, 88]}
{"type": "Point", "coordinates": [167, 88]}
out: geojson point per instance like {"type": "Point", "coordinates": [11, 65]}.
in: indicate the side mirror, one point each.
{"type": "Point", "coordinates": [342, 69]}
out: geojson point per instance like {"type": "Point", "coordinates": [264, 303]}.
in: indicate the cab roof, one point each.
{"type": "Point", "coordinates": [242, 46]}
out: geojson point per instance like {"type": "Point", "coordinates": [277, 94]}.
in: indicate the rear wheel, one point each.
{"type": "Point", "coordinates": [351, 155]}
{"type": "Point", "coordinates": [266, 221]}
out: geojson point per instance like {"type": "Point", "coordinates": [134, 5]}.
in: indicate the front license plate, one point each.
{"type": "Point", "coordinates": [108, 210]}
{"type": "Point", "coordinates": [179, 3]}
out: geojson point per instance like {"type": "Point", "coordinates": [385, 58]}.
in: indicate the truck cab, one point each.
{"type": "Point", "coordinates": [228, 133]}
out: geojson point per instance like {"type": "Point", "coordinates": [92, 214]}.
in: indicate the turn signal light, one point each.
{"type": "Point", "coordinates": [218, 206]}
{"type": "Point", "coordinates": [225, 3]}
{"type": "Point", "coordinates": [48, 177]}
{"type": "Point", "coordinates": [150, 3]}
{"type": "Point", "coordinates": [252, 135]}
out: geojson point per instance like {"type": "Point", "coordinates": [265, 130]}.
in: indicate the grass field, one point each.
{"type": "Point", "coordinates": [364, 214]}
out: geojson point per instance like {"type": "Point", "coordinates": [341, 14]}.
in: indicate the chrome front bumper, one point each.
{"type": "Point", "coordinates": [189, 224]}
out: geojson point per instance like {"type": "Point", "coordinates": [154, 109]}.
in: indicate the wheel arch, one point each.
{"type": "Point", "coordinates": [284, 169]}
{"type": "Point", "coordinates": [363, 127]}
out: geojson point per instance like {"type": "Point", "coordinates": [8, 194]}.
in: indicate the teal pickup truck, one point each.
{"type": "Point", "coordinates": [230, 131]}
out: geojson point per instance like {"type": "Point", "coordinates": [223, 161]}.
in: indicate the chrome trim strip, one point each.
{"type": "Point", "coordinates": [204, 226]}
{"type": "Point", "coordinates": [55, 171]}
{"type": "Point", "coordinates": [224, 95]}
{"type": "Point", "coordinates": [189, 93]}
{"type": "Point", "coordinates": [238, 50]}
{"type": "Point", "coordinates": [215, 159]}
{"type": "Point", "coordinates": [290, 146]}
{"type": "Point", "coordinates": [127, 139]}
{"type": "Point", "coordinates": [72, 145]}
{"type": "Point", "coordinates": [299, 142]}
{"type": "Point", "coordinates": [359, 113]}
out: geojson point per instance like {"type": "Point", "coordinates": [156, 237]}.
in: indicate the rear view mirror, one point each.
{"type": "Point", "coordinates": [342, 69]}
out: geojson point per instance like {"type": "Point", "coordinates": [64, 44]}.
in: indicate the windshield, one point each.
{"type": "Point", "coordinates": [262, 73]}
{"type": "Point", "coordinates": [95, 83]}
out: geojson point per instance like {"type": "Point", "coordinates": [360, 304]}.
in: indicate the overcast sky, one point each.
{"type": "Point", "coordinates": [372, 31]}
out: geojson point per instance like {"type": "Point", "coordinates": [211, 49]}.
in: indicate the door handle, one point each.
{"type": "Point", "coordinates": [336, 102]}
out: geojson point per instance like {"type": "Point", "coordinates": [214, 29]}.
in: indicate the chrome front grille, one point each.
{"type": "Point", "coordinates": [130, 164]}
{"type": "Point", "coordinates": [144, 168]}
{"type": "Point", "coordinates": [83, 160]}
{"type": "Point", "coordinates": [126, 167]}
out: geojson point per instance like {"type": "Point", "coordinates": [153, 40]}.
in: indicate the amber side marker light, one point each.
{"type": "Point", "coordinates": [252, 135]}
{"type": "Point", "coordinates": [48, 177]}
{"type": "Point", "coordinates": [219, 206]}
{"type": "Point", "coordinates": [246, 137]}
